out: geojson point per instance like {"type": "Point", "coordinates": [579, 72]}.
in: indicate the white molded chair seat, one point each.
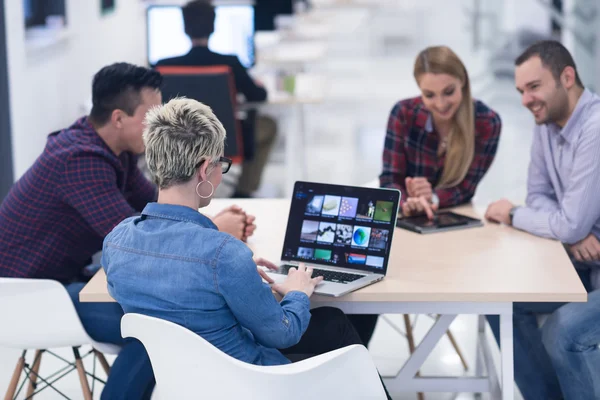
{"type": "Point", "coordinates": [188, 367]}
{"type": "Point", "coordinates": [39, 314]}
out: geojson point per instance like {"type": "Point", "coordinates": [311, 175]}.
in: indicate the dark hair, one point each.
{"type": "Point", "coordinates": [117, 87]}
{"type": "Point", "coordinates": [199, 19]}
{"type": "Point", "coordinates": [553, 55]}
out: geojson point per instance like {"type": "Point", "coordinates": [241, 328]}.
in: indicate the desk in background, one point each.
{"type": "Point", "coordinates": [292, 53]}
{"type": "Point", "coordinates": [307, 89]}
{"type": "Point", "coordinates": [474, 271]}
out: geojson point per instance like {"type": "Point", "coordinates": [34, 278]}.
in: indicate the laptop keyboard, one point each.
{"type": "Point", "coordinates": [330, 276]}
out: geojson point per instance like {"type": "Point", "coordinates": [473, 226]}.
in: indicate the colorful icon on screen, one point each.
{"type": "Point", "coordinates": [361, 235]}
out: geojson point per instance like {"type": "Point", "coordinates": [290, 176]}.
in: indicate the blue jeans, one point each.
{"type": "Point", "coordinates": [571, 336]}
{"type": "Point", "coordinates": [131, 375]}
{"type": "Point", "coordinates": [561, 359]}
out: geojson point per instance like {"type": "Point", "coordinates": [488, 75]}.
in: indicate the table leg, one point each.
{"type": "Point", "coordinates": [479, 357]}
{"type": "Point", "coordinates": [406, 380]}
{"type": "Point", "coordinates": [506, 350]}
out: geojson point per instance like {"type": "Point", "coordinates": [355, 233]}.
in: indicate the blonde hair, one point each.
{"type": "Point", "coordinates": [461, 138]}
{"type": "Point", "coordinates": [178, 136]}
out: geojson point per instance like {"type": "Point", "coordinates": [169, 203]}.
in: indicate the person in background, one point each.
{"type": "Point", "coordinates": [205, 280]}
{"type": "Point", "coordinates": [199, 22]}
{"type": "Point", "coordinates": [84, 183]}
{"type": "Point", "coordinates": [562, 359]}
{"type": "Point", "coordinates": [438, 146]}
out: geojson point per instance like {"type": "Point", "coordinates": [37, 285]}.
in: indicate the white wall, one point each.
{"type": "Point", "coordinates": [586, 59]}
{"type": "Point", "coordinates": [521, 14]}
{"type": "Point", "coordinates": [48, 87]}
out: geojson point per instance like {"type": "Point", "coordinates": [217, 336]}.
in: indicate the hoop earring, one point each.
{"type": "Point", "coordinates": [212, 190]}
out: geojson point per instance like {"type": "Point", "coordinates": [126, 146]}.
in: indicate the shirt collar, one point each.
{"type": "Point", "coordinates": [177, 213]}
{"type": "Point", "coordinates": [86, 128]}
{"type": "Point", "coordinates": [567, 131]}
{"type": "Point", "coordinates": [429, 124]}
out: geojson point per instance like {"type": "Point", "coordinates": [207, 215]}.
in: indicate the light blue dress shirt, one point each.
{"type": "Point", "coordinates": [563, 188]}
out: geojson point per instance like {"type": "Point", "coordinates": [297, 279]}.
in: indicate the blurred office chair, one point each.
{"type": "Point", "coordinates": [38, 314]}
{"type": "Point", "coordinates": [188, 367]}
{"type": "Point", "coordinates": [215, 87]}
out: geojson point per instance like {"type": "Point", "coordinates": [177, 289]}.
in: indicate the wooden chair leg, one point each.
{"type": "Point", "coordinates": [411, 345]}
{"type": "Point", "coordinates": [85, 387]}
{"type": "Point", "coordinates": [103, 362]}
{"type": "Point", "coordinates": [14, 381]}
{"type": "Point", "coordinates": [457, 349]}
{"type": "Point", "coordinates": [35, 370]}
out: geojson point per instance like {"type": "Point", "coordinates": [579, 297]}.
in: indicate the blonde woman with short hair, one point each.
{"type": "Point", "coordinates": [173, 263]}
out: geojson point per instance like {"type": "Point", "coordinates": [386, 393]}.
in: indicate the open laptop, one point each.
{"type": "Point", "coordinates": [344, 233]}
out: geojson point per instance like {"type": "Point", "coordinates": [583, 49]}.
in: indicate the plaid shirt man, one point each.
{"type": "Point", "coordinates": [411, 146]}
{"type": "Point", "coordinates": [56, 216]}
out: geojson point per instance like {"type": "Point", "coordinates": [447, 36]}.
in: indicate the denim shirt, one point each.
{"type": "Point", "coordinates": [173, 263]}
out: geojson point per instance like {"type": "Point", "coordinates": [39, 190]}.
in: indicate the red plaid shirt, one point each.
{"type": "Point", "coordinates": [411, 146]}
{"type": "Point", "coordinates": [56, 216]}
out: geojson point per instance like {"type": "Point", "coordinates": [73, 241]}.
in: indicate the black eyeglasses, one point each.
{"type": "Point", "coordinates": [225, 164]}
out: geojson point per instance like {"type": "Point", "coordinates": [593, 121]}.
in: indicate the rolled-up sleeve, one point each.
{"type": "Point", "coordinates": [579, 209]}
{"type": "Point", "coordinates": [273, 324]}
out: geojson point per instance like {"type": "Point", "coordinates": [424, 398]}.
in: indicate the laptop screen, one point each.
{"type": "Point", "coordinates": [234, 32]}
{"type": "Point", "coordinates": [341, 226]}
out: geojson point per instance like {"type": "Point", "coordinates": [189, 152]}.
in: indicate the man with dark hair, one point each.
{"type": "Point", "coordinates": [198, 19]}
{"type": "Point", "coordinates": [563, 189]}
{"type": "Point", "coordinates": [199, 22]}
{"type": "Point", "coordinates": [553, 56]}
{"type": "Point", "coordinates": [85, 182]}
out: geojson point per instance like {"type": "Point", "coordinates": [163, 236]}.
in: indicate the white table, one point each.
{"type": "Point", "coordinates": [474, 271]}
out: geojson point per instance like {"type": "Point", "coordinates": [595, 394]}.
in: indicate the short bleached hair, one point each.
{"type": "Point", "coordinates": [179, 136]}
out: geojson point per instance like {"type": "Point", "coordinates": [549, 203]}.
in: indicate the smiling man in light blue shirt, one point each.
{"type": "Point", "coordinates": [563, 203]}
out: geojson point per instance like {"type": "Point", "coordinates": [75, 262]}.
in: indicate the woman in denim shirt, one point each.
{"type": "Point", "coordinates": [172, 262]}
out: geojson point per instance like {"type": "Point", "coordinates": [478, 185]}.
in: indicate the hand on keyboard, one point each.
{"type": "Point", "coordinates": [298, 280]}
{"type": "Point", "coordinates": [261, 262]}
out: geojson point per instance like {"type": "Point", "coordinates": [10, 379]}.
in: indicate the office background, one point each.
{"type": "Point", "coordinates": [46, 74]}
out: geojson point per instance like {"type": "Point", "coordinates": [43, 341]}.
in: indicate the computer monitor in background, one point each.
{"type": "Point", "coordinates": [266, 11]}
{"type": "Point", "coordinates": [234, 32]}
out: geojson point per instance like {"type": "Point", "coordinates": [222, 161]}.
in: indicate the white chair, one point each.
{"type": "Point", "coordinates": [188, 367]}
{"type": "Point", "coordinates": [38, 314]}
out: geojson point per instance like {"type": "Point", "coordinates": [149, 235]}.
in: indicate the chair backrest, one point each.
{"type": "Point", "coordinates": [213, 86]}
{"type": "Point", "coordinates": [38, 314]}
{"type": "Point", "coordinates": [187, 366]}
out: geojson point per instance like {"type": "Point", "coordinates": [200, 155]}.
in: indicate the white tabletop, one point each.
{"type": "Point", "coordinates": [494, 263]}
